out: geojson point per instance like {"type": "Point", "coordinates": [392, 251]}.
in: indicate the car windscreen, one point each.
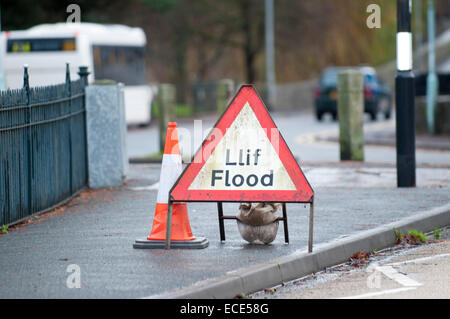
{"type": "Point", "coordinates": [125, 64]}
{"type": "Point", "coordinates": [329, 78]}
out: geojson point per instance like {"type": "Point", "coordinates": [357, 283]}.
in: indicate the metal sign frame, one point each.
{"type": "Point", "coordinates": [303, 193]}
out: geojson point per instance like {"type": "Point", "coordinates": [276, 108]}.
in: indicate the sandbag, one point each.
{"type": "Point", "coordinates": [258, 214]}
{"type": "Point", "coordinates": [264, 234]}
{"type": "Point", "coordinates": [257, 222]}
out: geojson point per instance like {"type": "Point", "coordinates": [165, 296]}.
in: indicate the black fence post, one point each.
{"type": "Point", "coordinates": [26, 88]}
{"type": "Point", "coordinates": [69, 95]}
{"type": "Point", "coordinates": [83, 73]}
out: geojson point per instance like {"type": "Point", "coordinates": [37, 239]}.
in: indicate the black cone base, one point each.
{"type": "Point", "coordinates": [197, 243]}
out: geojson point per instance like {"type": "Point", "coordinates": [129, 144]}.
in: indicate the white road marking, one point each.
{"type": "Point", "coordinates": [389, 271]}
{"type": "Point", "coordinates": [379, 293]}
{"type": "Point", "coordinates": [418, 260]}
{"type": "Point", "coordinates": [145, 188]}
{"type": "Point", "coordinates": [393, 274]}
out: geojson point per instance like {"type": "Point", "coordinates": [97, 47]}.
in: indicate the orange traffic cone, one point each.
{"type": "Point", "coordinates": [181, 233]}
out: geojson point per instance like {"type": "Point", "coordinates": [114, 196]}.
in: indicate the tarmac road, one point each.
{"type": "Point", "coordinates": [301, 132]}
{"type": "Point", "coordinates": [417, 272]}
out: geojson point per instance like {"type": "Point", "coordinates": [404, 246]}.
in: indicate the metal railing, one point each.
{"type": "Point", "coordinates": [43, 151]}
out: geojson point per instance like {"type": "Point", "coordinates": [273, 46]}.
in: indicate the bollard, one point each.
{"type": "Point", "coordinates": [224, 91]}
{"type": "Point", "coordinates": [350, 113]}
{"type": "Point", "coordinates": [106, 134]}
{"type": "Point", "coordinates": [166, 104]}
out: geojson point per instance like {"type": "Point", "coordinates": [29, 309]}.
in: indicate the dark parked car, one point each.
{"type": "Point", "coordinates": [377, 96]}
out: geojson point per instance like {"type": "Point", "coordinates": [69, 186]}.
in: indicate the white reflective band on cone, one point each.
{"type": "Point", "coordinates": [171, 167]}
{"type": "Point", "coordinates": [404, 51]}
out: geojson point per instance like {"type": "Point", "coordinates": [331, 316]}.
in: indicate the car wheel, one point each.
{"type": "Point", "coordinates": [384, 105]}
{"type": "Point", "coordinates": [335, 116]}
{"type": "Point", "coordinates": [319, 116]}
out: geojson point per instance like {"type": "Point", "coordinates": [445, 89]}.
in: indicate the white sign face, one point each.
{"type": "Point", "coordinates": [244, 159]}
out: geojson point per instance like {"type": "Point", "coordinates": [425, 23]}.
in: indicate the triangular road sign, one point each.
{"type": "Point", "coordinates": [243, 159]}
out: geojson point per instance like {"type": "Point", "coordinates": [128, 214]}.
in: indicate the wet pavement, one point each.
{"type": "Point", "coordinates": [96, 230]}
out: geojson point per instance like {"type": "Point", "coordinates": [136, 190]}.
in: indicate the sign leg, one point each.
{"type": "Point", "coordinates": [221, 223]}
{"type": "Point", "coordinates": [169, 225]}
{"type": "Point", "coordinates": [285, 224]}
{"type": "Point", "coordinates": [311, 226]}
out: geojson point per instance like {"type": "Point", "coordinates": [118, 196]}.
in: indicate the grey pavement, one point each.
{"type": "Point", "coordinates": [97, 229]}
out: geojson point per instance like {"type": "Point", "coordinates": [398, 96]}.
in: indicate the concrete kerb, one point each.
{"type": "Point", "coordinates": [287, 268]}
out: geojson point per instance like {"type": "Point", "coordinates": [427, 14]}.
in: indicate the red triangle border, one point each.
{"type": "Point", "coordinates": [303, 194]}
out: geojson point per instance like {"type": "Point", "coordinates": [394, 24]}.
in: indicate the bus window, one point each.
{"type": "Point", "coordinates": [39, 45]}
{"type": "Point", "coordinates": [120, 63]}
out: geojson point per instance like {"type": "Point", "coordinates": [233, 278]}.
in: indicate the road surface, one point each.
{"type": "Point", "coordinates": [418, 272]}
{"type": "Point", "coordinates": [299, 130]}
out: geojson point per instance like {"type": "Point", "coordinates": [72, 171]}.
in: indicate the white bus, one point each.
{"type": "Point", "coordinates": [113, 52]}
